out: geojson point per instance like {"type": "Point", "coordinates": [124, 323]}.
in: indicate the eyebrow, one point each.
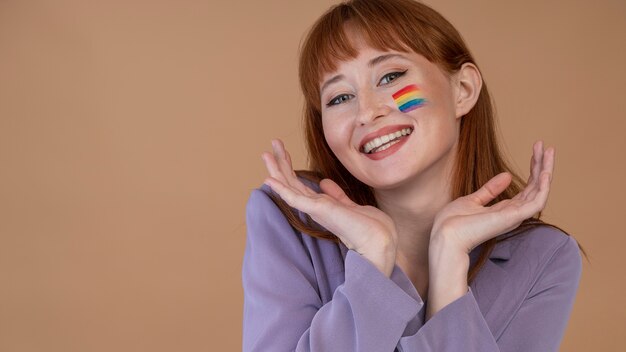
{"type": "Point", "coordinates": [373, 62]}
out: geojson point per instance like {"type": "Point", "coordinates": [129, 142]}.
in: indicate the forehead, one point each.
{"type": "Point", "coordinates": [348, 42]}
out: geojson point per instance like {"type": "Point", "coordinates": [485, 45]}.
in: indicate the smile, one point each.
{"type": "Point", "coordinates": [381, 143]}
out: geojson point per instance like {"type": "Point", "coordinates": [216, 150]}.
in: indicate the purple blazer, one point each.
{"type": "Point", "coordinates": [307, 294]}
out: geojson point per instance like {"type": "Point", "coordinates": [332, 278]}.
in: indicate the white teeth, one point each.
{"type": "Point", "coordinates": [385, 146]}
{"type": "Point", "coordinates": [379, 141]}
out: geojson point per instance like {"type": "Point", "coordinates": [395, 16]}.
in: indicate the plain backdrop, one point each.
{"type": "Point", "coordinates": [131, 134]}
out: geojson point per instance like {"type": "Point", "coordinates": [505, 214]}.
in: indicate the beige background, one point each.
{"type": "Point", "coordinates": [131, 134]}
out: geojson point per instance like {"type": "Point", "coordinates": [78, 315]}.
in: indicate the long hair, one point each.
{"type": "Point", "coordinates": [399, 25]}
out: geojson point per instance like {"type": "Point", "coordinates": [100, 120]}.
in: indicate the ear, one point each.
{"type": "Point", "coordinates": [467, 85]}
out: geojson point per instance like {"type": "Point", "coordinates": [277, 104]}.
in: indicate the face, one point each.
{"type": "Point", "coordinates": [402, 99]}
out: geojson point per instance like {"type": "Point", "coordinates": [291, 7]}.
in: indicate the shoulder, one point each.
{"type": "Point", "coordinates": [260, 201]}
{"type": "Point", "coordinates": [274, 244]}
{"type": "Point", "coordinates": [264, 218]}
{"type": "Point", "coordinates": [541, 243]}
{"type": "Point", "coordinates": [271, 241]}
{"type": "Point", "coordinates": [267, 222]}
{"type": "Point", "coordinates": [540, 251]}
{"type": "Point", "coordinates": [529, 275]}
{"type": "Point", "coordinates": [541, 259]}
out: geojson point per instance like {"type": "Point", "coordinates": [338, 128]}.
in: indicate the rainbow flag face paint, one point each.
{"type": "Point", "coordinates": [409, 98]}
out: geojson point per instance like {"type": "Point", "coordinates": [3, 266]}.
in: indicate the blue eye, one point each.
{"type": "Point", "coordinates": [339, 99]}
{"type": "Point", "coordinates": [393, 75]}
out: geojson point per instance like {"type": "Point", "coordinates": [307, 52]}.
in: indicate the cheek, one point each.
{"type": "Point", "coordinates": [334, 142]}
{"type": "Point", "coordinates": [444, 131]}
{"type": "Point", "coordinates": [336, 134]}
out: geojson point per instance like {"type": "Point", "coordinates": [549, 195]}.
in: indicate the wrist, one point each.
{"type": "Point", "coordinates": [447, 262]}
{"type": "Point", "coordinates": [447, 270]}
{"type": "Point", "coordinates": [448, 241]}
{"type": "Point", "coordinates": [382, 255]}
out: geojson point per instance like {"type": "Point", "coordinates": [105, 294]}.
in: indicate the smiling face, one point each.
{"type": "Point", "coordinates": [390, 117]}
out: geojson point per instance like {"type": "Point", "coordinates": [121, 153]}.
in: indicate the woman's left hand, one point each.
{"type": "Point", "coordinates": [466, 222]}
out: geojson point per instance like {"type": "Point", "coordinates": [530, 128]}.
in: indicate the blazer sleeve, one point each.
{"type": "Point", "coordinates": [371, 312]}
{"type": "Point", "coordinates": [282, 307]}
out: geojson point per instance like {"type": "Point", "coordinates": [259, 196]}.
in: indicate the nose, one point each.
{"type": "Point", "coordinates": [371, 106]}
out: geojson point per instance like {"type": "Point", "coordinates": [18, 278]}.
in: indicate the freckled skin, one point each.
{"type": "Point", "coordinates": [430, 150]}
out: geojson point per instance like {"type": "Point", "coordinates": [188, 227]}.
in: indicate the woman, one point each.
{"type": "Point", "coordinates": [410, 232]}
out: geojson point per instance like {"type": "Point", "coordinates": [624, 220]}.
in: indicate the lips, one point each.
{"type": "Point", "coordinates": [383, 136]}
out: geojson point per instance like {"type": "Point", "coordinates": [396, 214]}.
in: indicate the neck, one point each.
{"type": "Point", "coordinates": [413, 207]}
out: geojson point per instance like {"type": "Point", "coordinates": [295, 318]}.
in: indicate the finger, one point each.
{"type": "Point", "coordinates": [293, 178]}
{"type": "Point", "coordinates": [284, 163]}
{"type": "Point", "coordinates": [549, 163]}
{"type": "Point", "coordinates": [546, 170]}
{"type": "Point", "coordinates": [331, 188]}
{"type": "Point", "coordinates": [288, 157]}
{"type": "Point", "coordinates": [517, 210]}
{"type": "Point", "coordinates": [546, 174]}
{"type": "Point", "coordinates": [535, 162]}
{"type": "Point", "coordinates": [272, 167]}
{"type": "Point", "coordinates": [535, 168]}
{"type": "Point", "coordinates": [294, 198]}
{"type": "Point", "coordinates": [538, 154]}
{"type": "Point", "coordinates": [278, 170]}
{"type": "Point", "coordinates": [492, 188]}
{"type": "Point", "coordinates": [538, 157]}
{"type": "Point", "coordinates": [538, 198]}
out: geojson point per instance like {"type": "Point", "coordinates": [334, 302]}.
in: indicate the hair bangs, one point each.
{"type": "Point", "coordinates": [331, 40]}
{"type": "Point", "coordinates": [400, 25]}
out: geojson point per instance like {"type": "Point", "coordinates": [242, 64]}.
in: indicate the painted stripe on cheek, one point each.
{"type": "Point", "coordinates": [409, 98]}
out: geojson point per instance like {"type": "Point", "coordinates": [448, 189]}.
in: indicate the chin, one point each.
{"type": "Point", "coordinates": [387, 183]}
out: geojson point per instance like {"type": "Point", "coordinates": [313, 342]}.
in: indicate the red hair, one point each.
{"type": "Point", "coordinates": [400, 25]}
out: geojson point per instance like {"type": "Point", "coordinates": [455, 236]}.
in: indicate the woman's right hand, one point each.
{"type": "Point", "coordinates": [364, 229]}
